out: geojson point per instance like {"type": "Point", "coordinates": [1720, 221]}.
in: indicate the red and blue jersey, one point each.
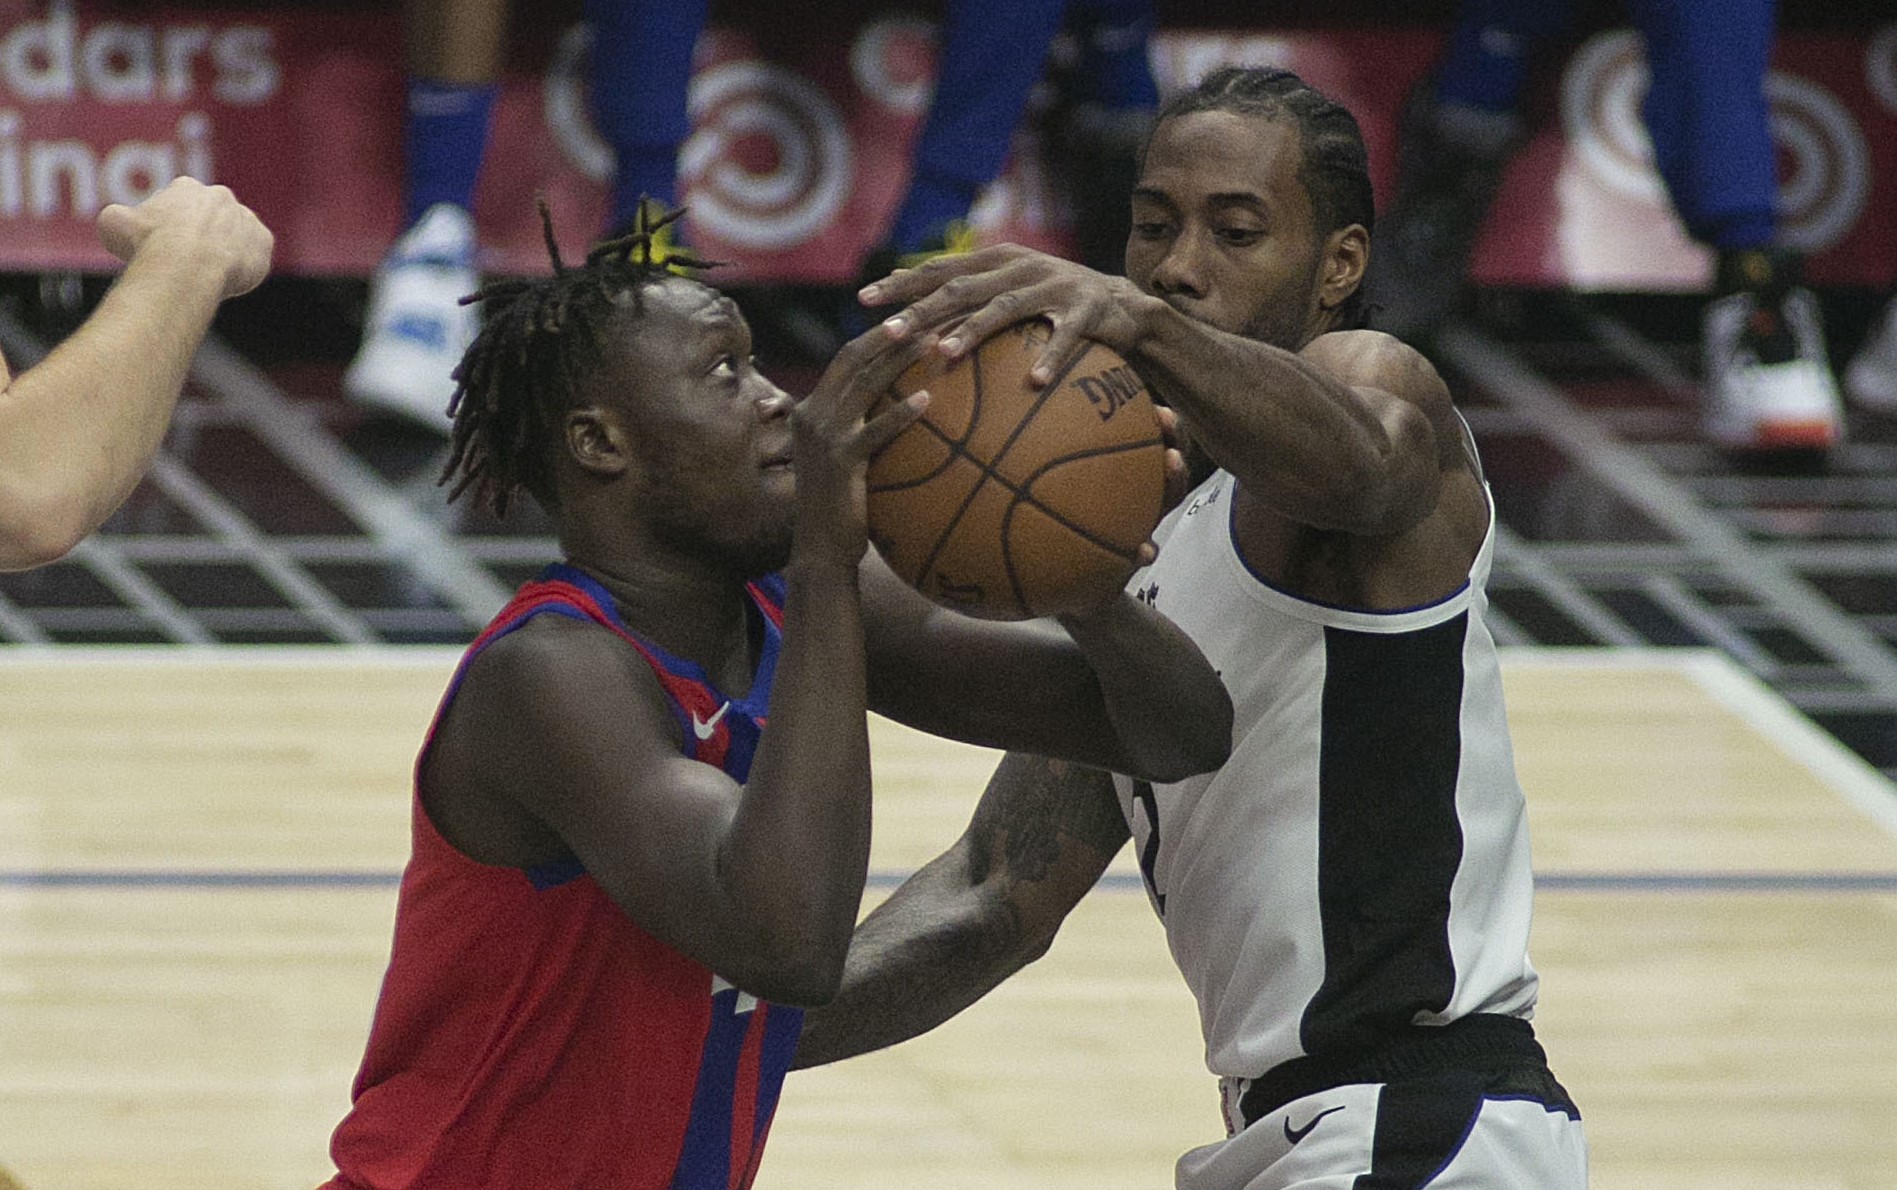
{"type": "Point", "coordinates": [529, 1033]}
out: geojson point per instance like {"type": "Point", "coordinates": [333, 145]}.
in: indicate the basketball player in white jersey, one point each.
{"type": "Point", "coordinates": [1348, 897]}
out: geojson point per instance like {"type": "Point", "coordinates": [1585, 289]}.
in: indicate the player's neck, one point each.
{"type": "Point", "coordinates": [688, 609]}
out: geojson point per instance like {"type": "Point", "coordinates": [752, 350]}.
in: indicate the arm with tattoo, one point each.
{"type": "Point", "coordinates": [1043, 833]}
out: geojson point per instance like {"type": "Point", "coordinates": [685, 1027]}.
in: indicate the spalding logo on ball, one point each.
{"type": "Point", "coordinates": [1007, 499]}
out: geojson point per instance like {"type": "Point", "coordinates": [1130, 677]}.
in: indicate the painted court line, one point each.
{"type": "Point", "coordinates": [1726, 683]}
{"type": "Point", "coordinates": [1769, 716]}
{"type": "Point", "coordinates": [1117, 882]}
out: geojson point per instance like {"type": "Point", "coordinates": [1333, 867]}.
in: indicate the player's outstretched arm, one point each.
{"type": "Point", "coordinates": [78, 430]}
{"type": "Point", "coordinates": [1344, 435]}
{"type": "Point", "coordinates": [1118, 687]}
{"type": "Point", "coordinates": [1348, 434]}
{"type": "Point", "coordinates": [1040, 837]}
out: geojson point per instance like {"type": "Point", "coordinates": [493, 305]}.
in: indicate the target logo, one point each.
{"type": "Point", "coordinates": [1880, 67]}
{"type": "Point", "coordinates": [1600, 114]}
{"type": "Point", "coordinates": [1830, 164]}
{"type": "Point", "coordinates": [1825, 165]}
{"type": "Point", "coordinates": [893, 62]}
{"type": "Point", "coordinates": [563, 107]}
{"type": "Point", "coordinates": [768, 163]}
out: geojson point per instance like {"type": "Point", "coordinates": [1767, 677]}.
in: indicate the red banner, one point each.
{"type": "Point", "coordinates": [802, 130]}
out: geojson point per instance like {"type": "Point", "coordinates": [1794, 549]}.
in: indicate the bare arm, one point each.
{"type": "Point", "coordinates": [760, 883]}
{"type": "Point", "coordinates": [1043, 833]}
{"type": "Point", "coordinates": [1120, 687]}
{"type": "Point", "coordinates": [1347, 449]}
{"type": "Point", "coordinates": [78, 430]}
{"type": "Point", "coordinates": [1353, 449]}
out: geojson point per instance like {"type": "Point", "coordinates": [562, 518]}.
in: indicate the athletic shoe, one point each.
{"type": "Point", "coordinates": [1768, 384]}
{"type": "Point", "coordinates": [417, 329]}
{"type": "Point", "coordinates": [1449, 168]}
{"type": "Point", "coordinates": [1871, 378]}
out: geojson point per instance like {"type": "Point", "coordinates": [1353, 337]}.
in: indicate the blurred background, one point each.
{"type": "Point", "coordinates": [281, 512]}
{"type": "Point", "coordinates": [199, 846]}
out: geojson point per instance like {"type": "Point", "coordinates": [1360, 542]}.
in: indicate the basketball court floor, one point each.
{"type": "Point", "coordinates": [199, 852]}
{"type": "Point", "coordinates": [199, 844]}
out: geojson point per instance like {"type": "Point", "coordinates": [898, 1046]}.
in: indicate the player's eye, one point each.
{"type": "Point", "coordinates": [1149, 229]}
{"type": "Point", "coordinates": [1240, 237]}
{"type": "Point", "coordinates": [726, 366]}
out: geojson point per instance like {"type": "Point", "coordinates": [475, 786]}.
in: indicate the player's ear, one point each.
{"type": "Point", "coordinates": [597, 441]}
{"type": "Point", "coordinates": [1346, 255]}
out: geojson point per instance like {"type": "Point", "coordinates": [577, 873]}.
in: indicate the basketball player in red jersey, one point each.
{"type": "Point", "coordinates": [623, 881]}
{"type": "Point", "coordinates": [1348, 895]}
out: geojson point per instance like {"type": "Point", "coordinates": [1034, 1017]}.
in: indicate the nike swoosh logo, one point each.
{"type": "Point", "coordinates": [1294, 1135]}
{"type": "Point", "coordinates": [703, 728]}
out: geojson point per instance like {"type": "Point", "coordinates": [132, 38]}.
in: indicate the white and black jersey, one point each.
{"type": "Point", "coordinates": [1360, 865]}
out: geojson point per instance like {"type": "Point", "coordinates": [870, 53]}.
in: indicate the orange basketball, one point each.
{"type": "Point", "coordinates": [1008, 499]}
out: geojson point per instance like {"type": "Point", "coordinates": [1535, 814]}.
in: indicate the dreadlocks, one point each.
{"type": "Point", "coordinates": [537, 341]}
{"type": "Point", "coordinates": [1336, 168]}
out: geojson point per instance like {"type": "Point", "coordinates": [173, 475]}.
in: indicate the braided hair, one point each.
{"type": "Point", "coordinates": [538, 339]}
{"type": "Point", "coordinates": [1336, 167]}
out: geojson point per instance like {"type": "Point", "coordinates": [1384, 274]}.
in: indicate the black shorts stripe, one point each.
{"type": "Point", "coordinates": [1421, 1126]}
{"type": "Point", "coordinates": [1389, 840]}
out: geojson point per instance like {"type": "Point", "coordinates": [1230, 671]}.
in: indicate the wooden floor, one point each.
{"type": "Point", "coordinates": [197, 863]}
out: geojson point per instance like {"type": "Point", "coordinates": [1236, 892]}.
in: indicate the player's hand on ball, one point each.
{"type": "Point", "coordinates": [1008, 498]}
{"type": "Point", "coordinates": [833, 438]}
{"type": "Point", "coordinates": [1000, 285]}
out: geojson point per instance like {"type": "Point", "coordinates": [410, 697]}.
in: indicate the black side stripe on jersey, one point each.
{"type": "Point", "coordinates": [1147, 800]}
{"type": "Point", "coordinates": [1389, 841]}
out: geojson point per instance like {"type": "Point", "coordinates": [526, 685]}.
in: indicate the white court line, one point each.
{"type": "Point", "coordinates": [1757, 705]}
{"type": "Point", "coordinates": [438, 658]}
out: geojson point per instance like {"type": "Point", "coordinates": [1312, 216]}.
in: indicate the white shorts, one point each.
{"type": "Point", "coordinates": [1398, 1136]}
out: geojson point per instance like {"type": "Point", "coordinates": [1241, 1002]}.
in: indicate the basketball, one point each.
{"type": "Point", "coordinates": [1008, 500]}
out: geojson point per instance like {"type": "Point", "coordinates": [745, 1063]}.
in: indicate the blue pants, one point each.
{"type": "Point", "coordinates": [642, 71]}
{"type": "Point", "coordinates": [1706, 110]}
{"type": "Point", "coordinates": [992, 54]}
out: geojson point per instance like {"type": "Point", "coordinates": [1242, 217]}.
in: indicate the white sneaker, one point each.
{"type": "Point", "coordinates": [1871, 378]}
{"type": "Point", "coordinates": [1768, 384]}
{"type": "Point", "coordinates": [417, 329]}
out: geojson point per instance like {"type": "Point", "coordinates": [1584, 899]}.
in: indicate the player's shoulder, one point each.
{"type": "Point", "coordinates": [1366, 359]}
{"type": "Point", "coordinates": [1373, 359]}
{"type": "Point", "coordinates": [554, 660]}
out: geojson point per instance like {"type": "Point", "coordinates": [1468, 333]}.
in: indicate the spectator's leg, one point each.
{"type": "Point", "coordinates": [1767, 380]}
{"type": "Point", "coordinates": [1707, 114]}
{"type": "Point", "coordinates": [1114, 37]}
{"type": "Point", "coordinates": [1110, 100]}
{"type": "Point", "coordinates": [1490, 51]}
{"type": "Point", "coordinates": [642, 71]}
{"type": "Point", "coordinates": [992, 53]}
{"type": "Point", "coordinates": [415, 330]}
{"type": "Point", "coordinates": [454, 59]}
{"type": "Point", "coordinates": [1459, 128]}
